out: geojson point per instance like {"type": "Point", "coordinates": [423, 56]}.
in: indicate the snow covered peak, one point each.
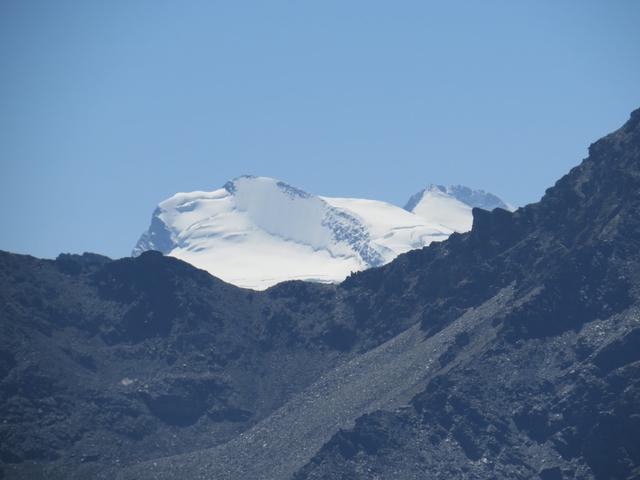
{"type": "Point", "coordinates": [477, 198]}
{"type": "Point", "coordinates": [258, 231]}
{"type": "Point", "coordinates": [452, 205]}
{"type": "Point", "coordinates": [245, 183]}
{"type": "Point", "coordinates": [466, 195]}
{"type": "Point", "coordinates": [261, 203]}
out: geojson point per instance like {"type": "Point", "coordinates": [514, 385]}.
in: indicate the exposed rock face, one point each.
{"type": "Point", "coordinates": [507, 352]}
{"type": "Point", "coordinates": [550, 386]}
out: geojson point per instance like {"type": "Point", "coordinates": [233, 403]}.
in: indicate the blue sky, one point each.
{"type": "Point", "coordinates": [110, 107]}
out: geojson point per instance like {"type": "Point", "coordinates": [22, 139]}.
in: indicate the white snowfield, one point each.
{"type": "Point", "coordinates": [257, 231]}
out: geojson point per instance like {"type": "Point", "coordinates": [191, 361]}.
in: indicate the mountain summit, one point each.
{"type": "Point", "coordinates": [258, 231]}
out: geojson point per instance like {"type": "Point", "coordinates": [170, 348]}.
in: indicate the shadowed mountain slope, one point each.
{"type": "Point", "coordinates": [549, 386]}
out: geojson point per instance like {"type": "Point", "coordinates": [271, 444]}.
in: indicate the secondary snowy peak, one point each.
{"type": "Point", "coordinates": [477, 198]}
{"type": "Point", "coordinates": [258, 231]}
{"type": "Point", "coordinates": [466, 195]}
{"type": "Point", "coordinates": [452, 205]}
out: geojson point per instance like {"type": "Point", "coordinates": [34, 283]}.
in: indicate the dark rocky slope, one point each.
{"type": "Point", "coordinates": [549, 387]}
{"type": "Point", "coordinates": [110, 362]}
{"type": "Point", "coordinates": [525, 362]}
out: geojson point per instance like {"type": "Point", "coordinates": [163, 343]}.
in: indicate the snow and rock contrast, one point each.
{"type": "Point", "coordinates": [258, 231]}
{"type": "Point", "coordinates": [508, 352]}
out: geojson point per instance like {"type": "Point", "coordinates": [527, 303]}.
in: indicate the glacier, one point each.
{"type": "Point", "coordinates": [255, 232]}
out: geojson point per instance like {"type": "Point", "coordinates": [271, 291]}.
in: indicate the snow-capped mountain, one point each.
{"type": "Point", "coordinates": [452, 205]}
{"type": "Point", "coordinates": [258, 231]}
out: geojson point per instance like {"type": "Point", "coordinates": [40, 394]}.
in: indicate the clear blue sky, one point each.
{"type": "Point", "coordinates": [108, 107]}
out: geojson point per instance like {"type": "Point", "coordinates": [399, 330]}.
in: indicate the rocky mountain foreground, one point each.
{"type": "Point", "coordinates": [508, 352]}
